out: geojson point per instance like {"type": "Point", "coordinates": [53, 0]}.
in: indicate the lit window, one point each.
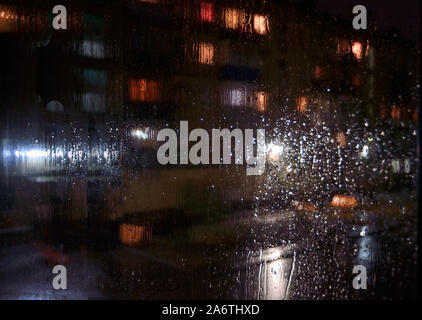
{"type": "Point", "coordinates": [407, 165]}
{"type": "Point", "coordinates": [343, 47]}
{"type": "Point", "coordinates": [261, 101]}
{"type": "Point", "coordinates": [318, 73]}
{"type": "Point", "coordinates": [343, 201]}
{"type": "Point", "coordinates": [237, 97]}
{"type": "Point", "coordinates": [93, 102]}
{"type": "Point", "coordinates": [143, 90]}
{"type": "Point", "coordinates": [260, 24]}
{"type": "Point", "coordinates": [234, 18]}
{"type": "Point", "coordinates": [207, 11]}
{"type": "Point", "coordinates": [357, 50]}
{"type": "Point", "coordinates": [302, 104]}
{"type": "Point", "coordinates": [90, 48]}
{"type": "Point", "coordinates": [206, 53]}
{"type": "Point", "coordinates": [8, 19]}
{"type": "Point", "coordinates": [131, 234]}
{"type": "Point", "coordinates": [395, 113]}
{"type": "Point", "coordinates": [395, 164]}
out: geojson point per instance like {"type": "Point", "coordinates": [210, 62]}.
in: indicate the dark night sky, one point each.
{"type": "Point", "coordinates": [403, 15]}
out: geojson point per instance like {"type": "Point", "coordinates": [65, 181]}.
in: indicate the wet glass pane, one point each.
{"type": "Point", "coordinates": [201, 149]}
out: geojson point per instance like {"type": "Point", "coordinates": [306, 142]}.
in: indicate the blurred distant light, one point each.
{"type": "Point", "coordinates": [8, 19]}
{"type": "Point", "coordinates": [59, 153]}
{"type": "Point", "coordinates": [143, 90]}
{"type": "Point", "coordinates": [131, 234]}
{"type": "Point", "coordinates": [31, 153]}
{"type": "Point", "coordinates": [395, 165]}
{"type": "Point", "coordinates": [91, 48]}
{"type": "Point", "coordinates": [260, 24]}
{"type": "Point", "coordinates": [206, 53]}
{"type": "Point", "coordinates": [343, 201]}
{"type": "Point", "coordinates": [364, 153]}
{"type": "Point", "coordinates": [395, 113]}
{"type": "Point", "coordinates": [274, 152]}
{"type": "Point", "coordinates": [302, 104]}
{"type": "Point", "coordinates": [357, 50]}
{"type": "Point", "coordinates": [261, 101]}
{"type": "Point", "coordinates": [407, 165]}
{"type": "Point", "coordinates": [145, 136]}
{"type": "Point", "coordinates": [140, 133]}
{"type": "Point", "coordinates": [318, 72]}
{"type": "Point", "coordinates": [237, 97]}
{"type": "Point", "coordinates": [234, 18]}
{"type": "Point", "coordinates": [34, 153]}
{"type": "Point", "coordinates": [207, 11]}
{"type": "Point", "coordinates": [341, 139]}
{"type": "Point", "coordinates": [343, 46]}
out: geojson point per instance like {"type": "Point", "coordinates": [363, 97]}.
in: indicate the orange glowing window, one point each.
{"type": "Point", "coordinates": [8, 15]}
{"type": "Point", "coordinates": [357, 50]}
{"type": "Point", "coordinates": [260, 24]}
{"type": "Point", "coordinates": [395, 113]}
{"type": "Point", "coordinates": [131, 234]}
{"type": "Point", "coordinates": [302, 104]}
{"type": "Point", "coordinates": [8, 19]}
{"type": "Point", "coordinates": [318, 72]}
{"type": "Point", "coordinates": [261, 101]}
{"type": "Point", "coordinates": [143, 90]}
{"type": "Point", "coordinates": [206, 53]}
{"type": "Point", "coordinates": [343, 201]}
{"type": "Point", "coordinates": [343, 46]}
{"type": "Point", "coordinates": [233, 18]}
{"type": "Point", "coordinates": [207, 11]}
